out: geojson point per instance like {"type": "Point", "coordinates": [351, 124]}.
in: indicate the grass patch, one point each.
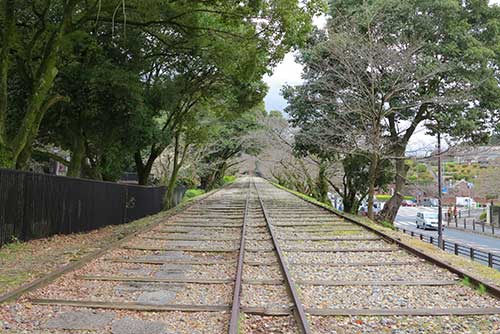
{"type": "Point", "coordinates": [387, 197]}
{"type": "Point", "coordinates": [192, 193]}
{"type": "Point", "coordinates": [229, 179]}
{"type": "Point", "coordinates": [387, 225]}
{"type": "Point", "coordinates": [466, 282]}
{"type": "Point", "coordinates": [481, 289]}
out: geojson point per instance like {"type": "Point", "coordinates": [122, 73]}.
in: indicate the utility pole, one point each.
{"type": "Point", "coordinates": [440, 192]}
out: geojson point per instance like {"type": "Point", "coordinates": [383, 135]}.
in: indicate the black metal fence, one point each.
{"type": "Point", "coordinates": [473, 225]}
{"type": "Point", "coordinates": [490, 259]}
{"type": "Point", "coordinates": [39, 205]}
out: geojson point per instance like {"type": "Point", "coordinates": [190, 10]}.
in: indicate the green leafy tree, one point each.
{"type": "Point", "coordinates": [32, 34]}
{"type": "Point", "coordinates": [230, 140]}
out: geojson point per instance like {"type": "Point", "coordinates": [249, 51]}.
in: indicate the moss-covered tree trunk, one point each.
{"type": "Point", "coordinates": [391, 207]}
{"type": "Point", "coordinates": [11, 149]}
{"type": "Point", "coordinates": [372, 180]}
{"type": "Point", "coordinates": [322, 182]}
{"type": "Point", "coordinates": [7, 36]}
{"type": "Point", "coordinates": [77, 157]}
{"type": "Point", "coordinates": [177, 163]}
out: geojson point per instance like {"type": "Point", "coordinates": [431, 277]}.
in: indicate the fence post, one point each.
{"type": "Point", "coordinates": [473, 224]}
{"type": "Point", "coordinates": [472, 253]}
{"type": "Point", "coordinates": [455, 248]}
{"type": "Point", "coordinates": [421, 236]}
{"type": "Point", "coordinates": [482, 224]}
{"type": "Point", "coordinates": [492, 229]}
{"type": "Point", "coordinates": [465, 223]}
{"type": "Point", "coordinates": [444, 245]}
{"type": "Point", "coordinates": [490, 260]}
{"type": "Point", "coordinates": [431, 240]}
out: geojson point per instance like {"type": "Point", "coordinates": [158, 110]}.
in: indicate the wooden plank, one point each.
{"type": "Point", "coordinates": [258, 250]}
{"type": "Point", "coordinates": [188, 239]}
{"type": "Point", "coordinates": [263, 281]}
{"type": "Point", "coordinates": [312, 230]}
{"type": "Point", "coordinates": [310, 224]}
{"type": "Point", "coordinates": [154, 280]}
{"type": "Point", "coordinates": [207, 225]}
{"type": "Point", "coordinates": [333, 239]}
{"type": "Point", "coordinates": [192, 229]}
{"type": "Point", "coordinates": [378, 283]}
{"type": "Point", "coordinates": [404, 312]}
{"type": "Point", "coordinates": [259, 239]}
{"type": "Point", "coordinates": [358, 264]}
{"type": "Point", "coordinates": [184, 249]}
{"type": "Point", "coordinates": [268, 311]}
{"type": "Point", "coordinates": [131, 306]}
{"type": "Point", "coordinates": [140, 261]}
{"type": "Point", "coordinates": [259, 263]}
{"type": "Point", "coordinates": [339, 250]}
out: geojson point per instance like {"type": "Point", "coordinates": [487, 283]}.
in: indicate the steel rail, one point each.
{"type": "Point", "coordinates": [299, 311]}
{"type": "Point", "coordinates": [491, 288]}
{"type": "Point", "coordinates": [236, 305]}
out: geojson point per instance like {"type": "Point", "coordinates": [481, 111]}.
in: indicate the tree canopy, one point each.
{"type": "Point", "coordinates": [384, 68]}
{"type": "Point", "coordinates": [112, 84]}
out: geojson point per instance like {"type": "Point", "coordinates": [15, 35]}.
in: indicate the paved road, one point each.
{"type": "Point", "coordinates": [406, 219]}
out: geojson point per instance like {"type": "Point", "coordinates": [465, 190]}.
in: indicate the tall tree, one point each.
{"type": "Point", "coordinates": [32, 36]}
{"type": "Point", "coordinates": [351, 77]}
{"type": "Point", "coordinates": [460, 37]}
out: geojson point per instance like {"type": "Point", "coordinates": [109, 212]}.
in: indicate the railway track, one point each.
{"type": "Point", "coordinates": [255, 259]}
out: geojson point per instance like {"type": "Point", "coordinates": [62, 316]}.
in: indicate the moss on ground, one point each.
{"type": "Point", "coordinates": [192, 193]}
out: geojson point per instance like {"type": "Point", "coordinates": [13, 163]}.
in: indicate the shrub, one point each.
{"type": "Point", "coordinates": [421, 168]}
{"type": "Point", "coordinates": [190, 193]}
{"type": "Point", "coordinates": [482, 216]}
{"type": "Point", "coordinates": [229, 179]}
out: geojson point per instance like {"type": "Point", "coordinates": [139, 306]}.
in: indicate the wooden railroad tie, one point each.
{"type": "Point", "coordinates": [184, 249]}
{"type": "Point", "coordinates": [279, 311]}
{"type": "Point", "coordinates": [340, 250]}
{"type": "Point", "coordinates": [160, 262]}
{"type": "Point", "coordinates": [206, 225]}
{"type": "Point", "coordinates": [311, 224]}
{"type": "Point", "coordinates": [177, 280]}
{"type": "Point", "coordinates": [377, 283]}
{"type": "Point", "coordinates": [331, 239]}
{"type": "Point", "coordinates": [187, 239]}
{"type": "Point", "coordinates": [357, 264]}
{"type": "Point", "coordinates": [402, 311]}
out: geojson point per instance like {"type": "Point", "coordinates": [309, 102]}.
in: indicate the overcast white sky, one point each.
{"type": "Point", "coordinates": [289, 72]}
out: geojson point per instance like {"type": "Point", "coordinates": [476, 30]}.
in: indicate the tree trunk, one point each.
{"type": "Point", "coordinates": [322, 183]}
{"type": "Point", "coordinates": [388, 214]}
{"type": "Point", "coordinates": [144, 169]}
{"type": "Point", "coordinates": [169, 196]}
{"type": "Point", "coordinates": [372, 181]}
{"type": "Point", "coordinates": [23, 160]}
{"type": "Point", "coordinates": [77, 156]}
{"type": "Point", "coordinates": [6, 40]}
{"type": "Point", "coordinates": [43, 82]}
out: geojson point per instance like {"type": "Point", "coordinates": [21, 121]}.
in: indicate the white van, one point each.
{"type": "Point", "coordinates": [427, 220]}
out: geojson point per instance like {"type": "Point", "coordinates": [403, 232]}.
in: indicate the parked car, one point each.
{"type": "Point", "coordinates": [430, 202]}
{"type": "Point", "coordinates": [408, 202]}
{"type": "Point", "coordinates": [427, 220]}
